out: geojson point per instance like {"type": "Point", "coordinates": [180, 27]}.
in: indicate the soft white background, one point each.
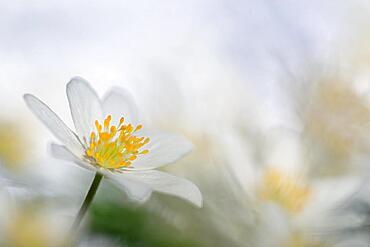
{"type": "Point", "coordinates": [208, 59]}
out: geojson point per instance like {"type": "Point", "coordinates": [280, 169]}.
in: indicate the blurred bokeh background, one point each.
{"type": "Point", "coordinates": [275, 96]}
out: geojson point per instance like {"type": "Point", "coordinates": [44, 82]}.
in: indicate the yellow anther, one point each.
{"type": "Point", "coordinates": [112, 151]}
{"type": "Point", "coordinates": [133, 157]}
{"type": "Point", "coordinates": [138, 127]}
{"type": "Point", "coordinates": [122, 119]}
{"type": "Point", "coordinates": [107, 121]}
{"type": "Point", "coordinates": [97, 125]}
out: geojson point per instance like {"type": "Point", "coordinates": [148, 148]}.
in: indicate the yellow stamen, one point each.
{"type": "Point", "coordinates": [122, 119]}
{"type": "Point", "coordinates": [115, 147]}
{"type": "Point", "coordinates": [285, 190]}
{"type": "Point", "coordinates": [138, 127]}
{"type": "Point", "coordinates": [107, 121]}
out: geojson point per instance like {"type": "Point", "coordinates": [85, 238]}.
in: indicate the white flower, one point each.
{"type": "Point", "coordinates": [125, 154]}
{"type": "Point", "coordinates": [305, 210]}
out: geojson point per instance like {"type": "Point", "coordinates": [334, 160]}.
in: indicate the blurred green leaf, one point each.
{"type": "Point", "coordinates": [135, 226]}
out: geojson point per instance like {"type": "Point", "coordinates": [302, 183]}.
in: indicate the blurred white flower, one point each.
{"type": "Point", "coordinates": [116, 151]}
{"type": "Point", "coordinates": [304, 209]}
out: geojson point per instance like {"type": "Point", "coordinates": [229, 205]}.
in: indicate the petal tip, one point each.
{"type": "Point", "coordinates": [197, 199]}
{"type": "Point", "coordinates": [141, 199]}
{"type": "Point", "coordinates": [32, 102]}
{"type": "Point", "coordinates": [76, 80]}
{"type": "Point", "coordinates": [27, 97]}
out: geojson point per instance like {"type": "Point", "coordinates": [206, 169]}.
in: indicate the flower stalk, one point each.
{"type": "Point", "coordinates": [88, 199]}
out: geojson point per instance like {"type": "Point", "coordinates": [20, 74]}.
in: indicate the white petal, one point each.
{"type": "Point", "coordinates": [331, 193]}
{"type": "Point", "coordinates": [160, 182]}
{"type": "Point", "coordinates": [120, 103]}
{"type": "Point", "coordinates": [164, 148]}
{"type": "Point", "coordinates": [328, 195]}
{"type": "Point", "coordinates": [85, 106]}
{"type": "Point", "coordinates": [62, 153]}
{"type": "Point", "coordinates": [54, 124]}
{"type": "Point", "coordinates": [136, 190]}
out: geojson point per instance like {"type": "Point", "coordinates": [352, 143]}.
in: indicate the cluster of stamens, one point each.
{"type": "Point", "coordinates": [284, 189]}
{"type": "Point", "coordinates": [114, 147]}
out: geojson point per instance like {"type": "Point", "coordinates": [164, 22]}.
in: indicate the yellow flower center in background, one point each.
{"type": "Point", "coordinates": [28, 229]}
{"type": "Point", "coordinates": [14, 144]}
{"type": "Point", "coordinates": [114, 147]}
{"type": "Point", "coordinates": [298, 240]}
{"type": "Point", "coordinates": [285, 190]}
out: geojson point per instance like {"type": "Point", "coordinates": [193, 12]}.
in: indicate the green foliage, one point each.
{"type": "Point", "coordinates": [135, 226]}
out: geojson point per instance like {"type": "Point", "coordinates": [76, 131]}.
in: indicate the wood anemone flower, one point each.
{"type": "Point", "coordinates": [110, 142]}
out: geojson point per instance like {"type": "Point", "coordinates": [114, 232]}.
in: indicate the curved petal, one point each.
{"type": "Point", "coordinates": [326, 198]}
{"type": "Point", "coordinates": [161, 182]}
{"type": "Point", "coordinates": [118, 102]}
{"type": "Point", "coordinates": [330, 194]}
{"type": "Point", "coordinates": [85, 106]}
{"type": "Point", "coordinates": [164, 148]}
{"type": "Point", "coordinates": [62, 153]}
{"type": "Point", "coordinates": [135, 190]}
{"type": "Point", "coordinates": [54, 124]}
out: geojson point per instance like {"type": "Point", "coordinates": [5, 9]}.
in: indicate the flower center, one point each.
{"type": "Point", "coordinates": [114, 147]}
{"type": "Point", "coordinates": [285, 190]}
{"type": "Point", "coordinates": [298, 240]}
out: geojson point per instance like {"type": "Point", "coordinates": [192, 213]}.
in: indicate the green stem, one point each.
{"type": "Point", "coordinates": [86, 203]}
